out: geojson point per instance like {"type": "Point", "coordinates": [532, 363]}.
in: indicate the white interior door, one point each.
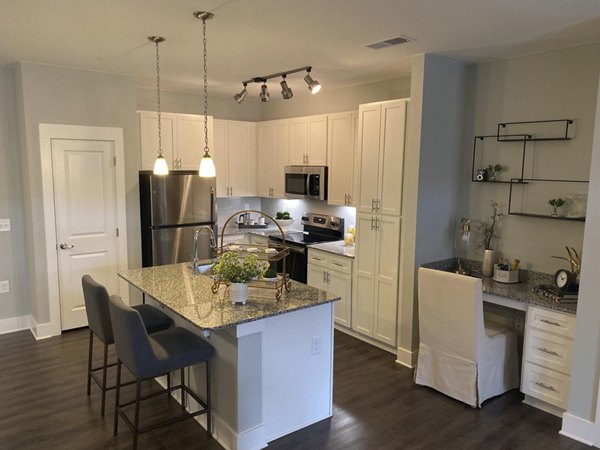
{"type": "Point", "coordinates": [86, 221]}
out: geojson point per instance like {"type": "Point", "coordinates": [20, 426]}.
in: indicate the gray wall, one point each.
{"type": "Point", "coordinates": [58, 95]}
{"type": "Point", "coordinates": [12, 244]}
{"type": "Point", "coordinates": [552, 85]}
{"type": "Point", "coordinates": [187, 103]}
{"type": "Point", "coordinates": [434, 176]}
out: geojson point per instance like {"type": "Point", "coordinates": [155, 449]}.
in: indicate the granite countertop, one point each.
{"type": "Point", "coordinates": [336, 247]}
{"type": "Point", "coordinates": [190, 296]}
{"type": "Point", "coordinates": [522, 291]}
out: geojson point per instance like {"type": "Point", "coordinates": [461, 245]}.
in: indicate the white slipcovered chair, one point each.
{"type": "Point", "coordinates": [458, 355]}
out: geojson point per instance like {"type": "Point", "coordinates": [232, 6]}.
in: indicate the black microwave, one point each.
{"type": "Point", "coordinates": [306, 182]}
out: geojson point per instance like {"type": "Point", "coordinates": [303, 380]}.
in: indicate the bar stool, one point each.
{"type": "Point", "coordinates": [150, 356]}
{"type": "Point", "coordinates": [96, 306]}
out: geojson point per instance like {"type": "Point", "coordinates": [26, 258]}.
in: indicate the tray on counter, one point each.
{"type": "Point", "coordinates": [246, 227]}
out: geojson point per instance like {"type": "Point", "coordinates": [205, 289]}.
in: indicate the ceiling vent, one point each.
{"type": "Point", "coordinates": [388, 42]}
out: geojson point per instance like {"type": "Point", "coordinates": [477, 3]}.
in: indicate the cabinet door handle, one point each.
{"type": "Point", "coordinates": [545, 386]}
{"type": "Point", "coordinates": [324, 277]}
{"type": "Point", "coordinates": [550, 322]}
{"type": "Point", "coordinates": [349, 199]}
{"type": "Point", "coordinates": [337, 264]}
{"type": "Point", "coordinates": [372, 205]}
{"type": "Point", "coordinates": [545, 350]}
{"type": "Point", "coordinates": [378, 204]}
{"type": "Point", "coordinates": [377, 223]}
{"type": "Point", "coordinates": [372, 223]}
{"type": "Point", "coordinates": [327, 277]}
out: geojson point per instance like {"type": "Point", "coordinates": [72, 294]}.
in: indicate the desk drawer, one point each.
{"type": "Point", "coordinates": [545, 384]}
{"type": "Point", "coordinates": [551, 321]}
{"type": "Point", "coordinates": [548, 350]}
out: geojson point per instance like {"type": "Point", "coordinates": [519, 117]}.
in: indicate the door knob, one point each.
{"type": "Point", "coordinates": [64, 246]}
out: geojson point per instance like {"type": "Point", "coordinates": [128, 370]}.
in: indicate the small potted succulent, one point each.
{"type": "Point", "coordinates": [493, 170]}
{"type": "Point", "coordinates": [238, 271]}
{"type": "Point", "coordinates": [556, 203]}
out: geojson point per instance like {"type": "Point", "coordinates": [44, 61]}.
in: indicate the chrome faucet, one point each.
{"type": "Point", "coordinates": [213, 245]}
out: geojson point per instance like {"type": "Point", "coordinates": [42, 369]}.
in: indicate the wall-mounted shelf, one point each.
{"type": "Point", "coordinates": [478, 151]}
{"type": "Point", "coordinates": [505, 134]}
{"type": "Point", "coordinates": [535, 203]}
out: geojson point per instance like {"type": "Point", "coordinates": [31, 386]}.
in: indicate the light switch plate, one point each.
{"type": "Point", "coordinates": [4, 287]}
{"type": "Point", "coordinates": [4, 224]}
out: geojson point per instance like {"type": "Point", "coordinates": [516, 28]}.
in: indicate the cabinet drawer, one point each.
{"type": "Point", "coordinates": [545, 384]}
{"type": "Point", "coordinates": [551, 321]}
{"type": "Point", "coordinates": [317, 258]}
{"type": "Point", "coordinates": [340, 264]}
{"type": "Point", "coordinates": [548, 350]}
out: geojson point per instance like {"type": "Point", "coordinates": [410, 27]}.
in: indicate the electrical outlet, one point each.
{"type": "Point", "coordinates": [4, 287]}
{"type": "Point", "coordinates": [316, 345]}
{"type": "Point", "coordinates": [4, 224]}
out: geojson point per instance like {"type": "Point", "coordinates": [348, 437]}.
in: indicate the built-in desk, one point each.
{"type": "Point", "coordinates": [548, 334]}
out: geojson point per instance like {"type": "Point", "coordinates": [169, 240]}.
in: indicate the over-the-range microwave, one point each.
{"type": "Point", "coordinates": [306, 182]}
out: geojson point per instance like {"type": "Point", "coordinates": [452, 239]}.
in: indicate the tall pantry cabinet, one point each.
{"type": "Point", "coordinates": [379, 176]}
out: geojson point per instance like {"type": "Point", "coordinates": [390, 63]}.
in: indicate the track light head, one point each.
{"type": "Point", "coordinates": [313, 85]}
{"type": "Point", "coordinates": [264, 93]}
{"type": "Point", "coordinates": [286, 91]}
{"type": "Point", "coordinates": [240, 97]}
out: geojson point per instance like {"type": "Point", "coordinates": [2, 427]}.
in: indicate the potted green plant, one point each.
{"type": "Point", "coordinates": [238, 271]}
{"type": "Point", "coordinates": [556, 203]}
{"type": "Point", "coordinates": [494, 169]}
{"type": "Point", "coordinates": [489, 230]}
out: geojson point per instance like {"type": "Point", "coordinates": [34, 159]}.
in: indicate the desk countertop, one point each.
{"type": "Point", "coordinates": [190, 297]}
{"type": "Point", "coordinates": [522, 291]}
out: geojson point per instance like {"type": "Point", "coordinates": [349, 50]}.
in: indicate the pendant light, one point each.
{"type": "Point", "coordinates": [160, 165]}
{"type": "Point", "coordinates": [207, 165]}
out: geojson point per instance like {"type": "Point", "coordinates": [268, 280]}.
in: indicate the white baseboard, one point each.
{"type": "Point", "coordinates": [406, 358]}
{"type": "Point", "coordinates": [40, 330]}
{"type": "Point", "coordinates": [15, 324]}
{"type": "Point", "coordinates": [578, 429]}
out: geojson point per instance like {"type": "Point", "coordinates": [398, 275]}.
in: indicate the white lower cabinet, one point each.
{"type": "Point", "coordinates": [547, 356]}
{"type": "Point", "coordinates": [375, 305]}
{"type": "Point", "coordinates": [333, 274]}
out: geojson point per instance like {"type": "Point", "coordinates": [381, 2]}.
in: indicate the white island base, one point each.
{"type": "Point", "coordinates": [270, 377]}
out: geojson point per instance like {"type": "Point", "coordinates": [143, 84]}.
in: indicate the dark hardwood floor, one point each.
{"type": "Point", "coordinates": [376, 406]}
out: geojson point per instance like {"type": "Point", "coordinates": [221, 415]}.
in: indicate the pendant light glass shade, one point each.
{"type": "Point", "coordinates": [207, 167]}
{"type": "Point", "coordinates": [160, 166]}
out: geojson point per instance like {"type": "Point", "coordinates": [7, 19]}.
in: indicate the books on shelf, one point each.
{"type": "Point", "coordinates": [556, 294]}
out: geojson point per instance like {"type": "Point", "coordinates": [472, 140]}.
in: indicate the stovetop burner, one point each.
{"type": "Point", "coordinates": [317, 228]}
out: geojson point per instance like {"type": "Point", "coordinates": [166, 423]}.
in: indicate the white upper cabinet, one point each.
{"type": "Point", "coordinates": [340, 155]}
{"type": "Point", "coordinates": [273, 142]}
{"type": "Point", "coordinates": [308, 141]}
{"type": "Point", "coordinates": [380, 156]}
{"type": "Point", "coordinates": [182, 139]}
{"type": "Point", "coordinates": [234, 155]}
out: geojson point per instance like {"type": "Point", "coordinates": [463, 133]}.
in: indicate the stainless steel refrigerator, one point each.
{"type": "Point", "coordinates": [172, 208]}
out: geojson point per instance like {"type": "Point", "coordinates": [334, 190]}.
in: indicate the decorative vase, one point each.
{"type": "Point", "coordinates": [487, 266]}
{"type": "Point", "coordinates": [238, 292]}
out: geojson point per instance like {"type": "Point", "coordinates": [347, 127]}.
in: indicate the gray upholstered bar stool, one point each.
{"type": "Point", "coordinates": [150, 356]}
{"type": "Point", "coordinates": [96, 306]}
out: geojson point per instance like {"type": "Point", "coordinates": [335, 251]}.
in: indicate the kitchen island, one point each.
{"type": "Point", "coordinates": [272, 373]}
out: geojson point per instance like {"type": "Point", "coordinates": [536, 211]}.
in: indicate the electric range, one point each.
{"type": "Point", "coordinates": [317, 228]}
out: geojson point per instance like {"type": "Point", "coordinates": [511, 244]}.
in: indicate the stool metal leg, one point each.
{"type": "Point", "coordinates": [136, 418]}
{"type": "Point", "coordinates": [182, 389]}
{"type": "Point", "coordinates": [208, 406]}
{"type": "Point", "coordinates": [168, 384]}
{"type": "Point", "coordinates": [104, 368]}
{"type": "Point", "coordinates": [118, 391]}
{"type": "Point", "coordinates": [89, 376]}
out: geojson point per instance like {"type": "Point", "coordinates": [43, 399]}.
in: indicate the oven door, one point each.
{"type": "Point", "coordinates": [295, 263]}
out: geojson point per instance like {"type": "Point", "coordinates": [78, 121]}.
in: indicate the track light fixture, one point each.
{"type": "Point", "coordinates": [286, 91]}
{"type": "Point", "coordinates": [313, 85]}
{"type": "Point", "coordinates": [240, 97]}
{"type": "Point", "coordinates": [264, 93]}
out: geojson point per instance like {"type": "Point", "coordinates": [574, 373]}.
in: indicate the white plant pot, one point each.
{"type": "Point", "coordinates": [487, 265]}
{"type": "Point", "coordinates": [238, 292]}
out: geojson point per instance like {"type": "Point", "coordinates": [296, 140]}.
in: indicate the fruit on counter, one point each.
{"type": "Point", "coordinates": [283, 215]}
